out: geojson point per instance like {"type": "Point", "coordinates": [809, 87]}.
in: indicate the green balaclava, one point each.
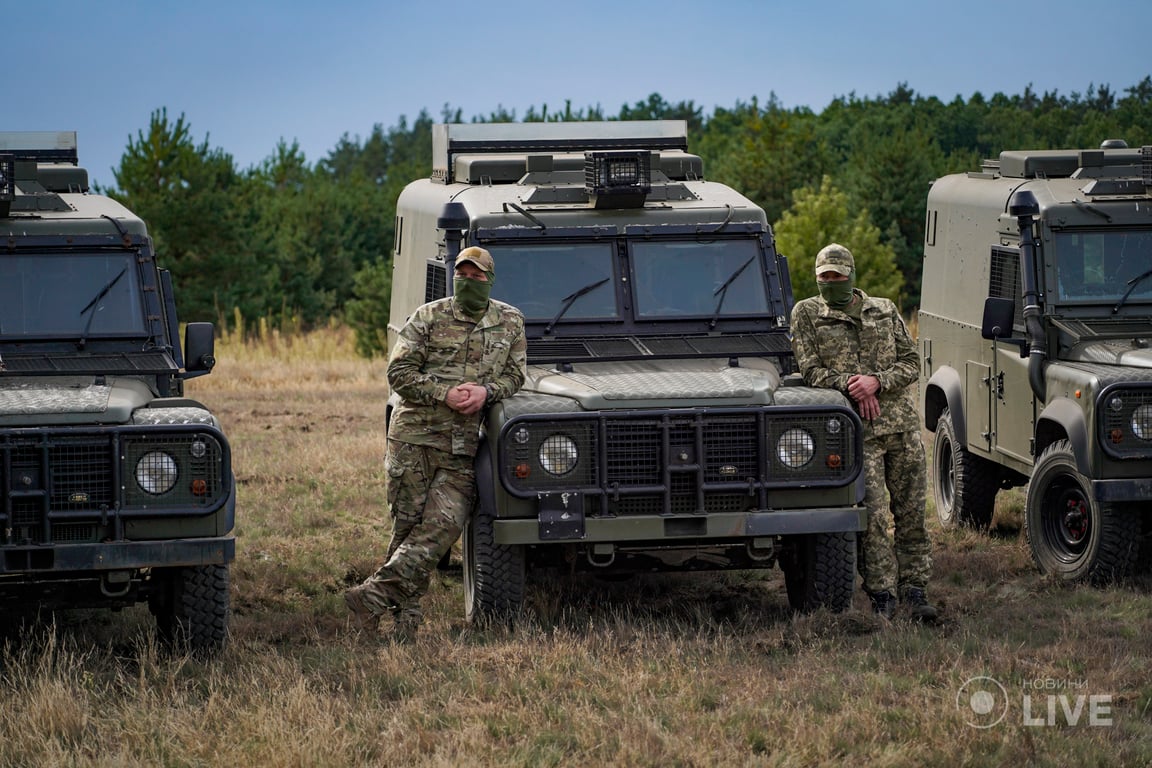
{"type": "Point", "coordinates": [837, 294]}
{"type": "Point", "coordinates": [472, 295]}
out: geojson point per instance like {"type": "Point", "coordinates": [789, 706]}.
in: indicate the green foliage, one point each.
{"type": "Point", "coordinates": [187, 193]}
{"type": "Point", "coordinates": [822, 216]}
{"type": "Point", "coordinates": [321, 229]}
{"type": "Point", "coordinates": [766, 153]}
{"type": "Point", "coordinates": [892, 167]}
{"type": "Point", "coordinates": [367, 313]}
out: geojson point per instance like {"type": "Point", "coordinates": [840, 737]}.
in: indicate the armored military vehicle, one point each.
{"type": "Point", "coordinates": [1034, 331]}
{"type": "Point", "coordinates": [655, 430]}
{"type": "Point", "coordinates": [114, 487]}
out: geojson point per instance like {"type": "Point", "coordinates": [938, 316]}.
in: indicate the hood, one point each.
{"type": "Point", "coordinates": [1133, 353]}
{"type": "Point", "coordinates": [663, 383]}
{"type": "Point", "coordinates": [70, 400]}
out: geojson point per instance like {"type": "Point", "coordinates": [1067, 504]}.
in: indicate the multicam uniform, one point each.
{"type": "Point", "coordinates": [431, 481]}
{"type": "Point", "coordinates": [831, 346]}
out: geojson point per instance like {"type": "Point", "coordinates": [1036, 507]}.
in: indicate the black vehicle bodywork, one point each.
{"type": "Point", "coordinates": [114, 487]}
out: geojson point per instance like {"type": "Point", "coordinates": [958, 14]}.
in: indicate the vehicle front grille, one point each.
{"type": "Point", "coordinates": [680, 461]}
{"type": "Point", "coordinates": [51, 479]}
{"type": "Point", "coordinates": [68, 485]}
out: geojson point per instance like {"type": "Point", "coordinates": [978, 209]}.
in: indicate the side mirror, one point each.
{"type": "Point", "coordinates": [998, 314]}
{"type": "Point", "coordinates": [199, 347]}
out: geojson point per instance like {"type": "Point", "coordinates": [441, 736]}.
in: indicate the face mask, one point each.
{"type": "Point", "coordinates": [838, 294]}
{"type": "Point", "coordinates": [471, 295]}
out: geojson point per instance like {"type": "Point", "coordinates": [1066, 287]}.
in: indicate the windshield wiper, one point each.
{"type": "Point", "coordinates": [570, 299]}
{"type": "Point", "coordinates": [1131, 287]}
{"type": "Point", "coordinates": [92, 304]}
{"type": "Point", "coordinates": [723, 291]}
{"type": "Point", "coordinates": [526, 215]}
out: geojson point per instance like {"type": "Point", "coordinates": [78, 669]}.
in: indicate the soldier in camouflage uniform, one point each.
{"type": "Point", "coordinates": [455, 356]}
{"type": "Point", "coordinates": [847, 340]}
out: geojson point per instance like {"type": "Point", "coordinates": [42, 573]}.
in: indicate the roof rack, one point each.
{"type": "Point", "coordinates": [452, 139]}
{"type": "Point", "coordinates": [40, 146]}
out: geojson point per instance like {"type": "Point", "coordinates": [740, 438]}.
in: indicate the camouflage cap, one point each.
{"type": "Point", "coordinates": [478, 256]}
{"type": "Point", "coordinates": [835, 258]}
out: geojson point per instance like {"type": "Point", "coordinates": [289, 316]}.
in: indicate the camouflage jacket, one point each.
{"type": "Point", "coordinates": [440, 347]}
{"type": "Point", "coordinates": [831, 346]}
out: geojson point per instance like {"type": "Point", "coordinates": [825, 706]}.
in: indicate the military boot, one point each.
{"type": "Point", "coordinates": [883, 603]}
{"type": "Point", "coordinates": [363, 616]}
{"type": "Point", "coordinates": [406, 625]}
{"type": "Point", "coordinates": [918, 606]}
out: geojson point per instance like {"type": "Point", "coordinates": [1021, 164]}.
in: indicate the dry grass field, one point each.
{"type": "Point", "coordinates": [702, 670]}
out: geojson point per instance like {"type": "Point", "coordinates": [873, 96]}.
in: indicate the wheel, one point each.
{"type": "Point", "coordinates": [494, 574]}
{"type": "Point", "coordinates": [820, 570]}
{"type": "Point", "coordinates": [1071, 535]}
{"type": "Point", "coordinates": [192, 608]}
{"type": "Point", "coordinates": [963, 485]}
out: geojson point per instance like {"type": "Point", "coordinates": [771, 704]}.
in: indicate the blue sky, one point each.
{"type": "Point", "coordinates": [248, 73]}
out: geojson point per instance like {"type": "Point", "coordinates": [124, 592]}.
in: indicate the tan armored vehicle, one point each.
{"type": "Point", "coordinates": [1035, 326]}
{"type": "Point", "coordinates": [654, 431]}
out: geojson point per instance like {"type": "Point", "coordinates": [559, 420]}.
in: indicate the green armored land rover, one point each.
{"type": "Point", "coordinates": [655, 430]}
{"type": "Point", "coordinates": [114, 488]}
{"type": "Point", "coordinates": [1035, 327]}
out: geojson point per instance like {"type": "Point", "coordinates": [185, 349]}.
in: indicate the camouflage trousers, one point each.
{"type": "Point", "coordinates": [894, 471]}
{"type": "Point", "coordinates": [430, 494]}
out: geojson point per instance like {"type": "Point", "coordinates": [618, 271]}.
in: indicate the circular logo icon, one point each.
{"type": "Point", "coordinates": [983, 701]}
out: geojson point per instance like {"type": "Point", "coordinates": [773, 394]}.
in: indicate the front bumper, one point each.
{"type": "Point", "coordinates": [1118, 491]}
{"type": "Point", "coordinates": [671, 528]}
{"type": "Point", "coordinates": [118, 555]}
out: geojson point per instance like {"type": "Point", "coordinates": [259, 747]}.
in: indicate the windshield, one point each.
{"type": "Point", "coordinates": [722, 277]}
{"type": "Point", "coordinates": [73, 295]}
{"type": "Point", "coordinates": [540, 279]}
{"type": "Point", "coordinates": [1102, 266]}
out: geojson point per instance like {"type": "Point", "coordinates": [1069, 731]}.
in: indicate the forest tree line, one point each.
{"type": "Point", "coordinates": [298, 243]}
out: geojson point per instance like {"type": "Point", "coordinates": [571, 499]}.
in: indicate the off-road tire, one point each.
{"type": "Point", "coordinates": [964, 485]}
{"type": "Point", "coordinates": [820, 571]}
{"type": "Point", "coordinates": [494, 574]}
{"type": "Point", "coordinates": [1072, 536]}
{"type": "Point", "coordinates": [192, 608]}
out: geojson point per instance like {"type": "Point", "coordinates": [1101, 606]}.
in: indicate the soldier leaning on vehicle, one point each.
{"type": "Point", "coordinates": [455, 356]}
{"type": "Point", "coordinates": [845, 339]}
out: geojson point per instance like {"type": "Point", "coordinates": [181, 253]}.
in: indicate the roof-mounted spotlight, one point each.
{"type": "Point", "coordinates": [618, 179]}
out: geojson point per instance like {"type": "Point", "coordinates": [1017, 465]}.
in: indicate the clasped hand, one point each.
{"type": "Point", "coordinates": [467, 398]}
{"type": "Point", "coordinates": [863, 388]}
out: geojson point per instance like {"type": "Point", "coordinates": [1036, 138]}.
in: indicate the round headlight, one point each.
{"type": "Point", "coordinates": [558, 455]}
{"type": "Point", "coordinates": [795, 448]}
{"type": "Point", "coordinates": [198, 449]}
{"type": "Point", "coordinates": [1116, 404]}
{"type": "Point", "coordinates": [156, 472]}
{"type": "Point", "coordinates": [1142, 422]}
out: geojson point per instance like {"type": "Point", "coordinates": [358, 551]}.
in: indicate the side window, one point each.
{"type": "Point", "coordinates": [1004, 280]}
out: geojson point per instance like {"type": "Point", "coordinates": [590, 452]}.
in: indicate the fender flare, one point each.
{"type": "Point", "coordinates": [485, 480]}
{"type": "Point", "coordinates": [1062, 418]}
{"type": "Point", "coordinates": [944, 390]}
